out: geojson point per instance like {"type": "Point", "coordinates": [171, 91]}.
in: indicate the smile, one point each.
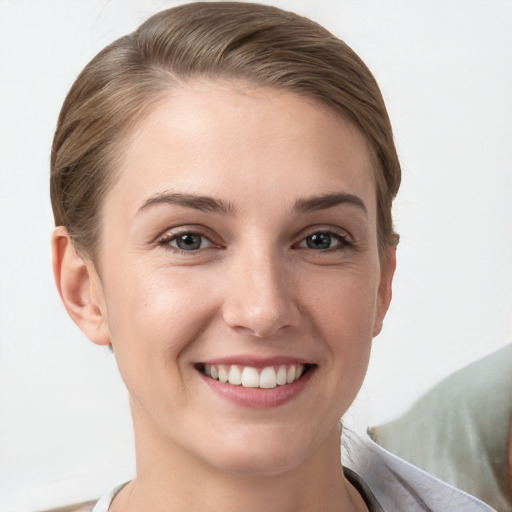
{"type": "Point", "coordinates": [249, 377]}
{"type": "Point", "coordinates": [256, 383]}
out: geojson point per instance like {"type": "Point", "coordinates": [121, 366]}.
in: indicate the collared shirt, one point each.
{"type": "Point", "coordinates": [385, 482]}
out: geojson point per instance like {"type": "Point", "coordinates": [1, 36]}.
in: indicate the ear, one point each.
{"type": "Point", "coordinates": [79, 288]}
{"type": "Point", "coordinates": [387, 270]}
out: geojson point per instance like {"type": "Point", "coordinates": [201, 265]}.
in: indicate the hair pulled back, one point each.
{"type": "Point", "coordinates": [253, 43]}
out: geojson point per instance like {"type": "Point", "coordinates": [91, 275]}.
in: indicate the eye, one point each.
{"type": "Point", "coordinates": [187, 241]}
{"type": "Point", "coordinates": [324, 240]}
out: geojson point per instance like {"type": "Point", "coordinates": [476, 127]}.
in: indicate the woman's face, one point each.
{"type": "Point", "coordinates": [240, 243]}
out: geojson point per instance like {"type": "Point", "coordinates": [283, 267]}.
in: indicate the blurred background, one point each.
{"type": "Point", "coordinates": [445, 70]}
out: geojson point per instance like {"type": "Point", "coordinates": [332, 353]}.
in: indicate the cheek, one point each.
{"type": "Point", "coordinates": [343, 310]}
{"type": "Point", "coordinates": [345, 303]}
{"type": "Point", "coordinates": [344, 314]}
{"type": "Point", "coordinates": [154, 318]}
{"type": "Point", "coordinates": [155, 314]}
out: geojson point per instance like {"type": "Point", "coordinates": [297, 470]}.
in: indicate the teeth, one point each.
{"type": "Point", "coordinates": [281, 375]}
{"type": "Point", "coordinates": [223, 374]}
{"type": "Point", "coordinates": [268, 378]}
{"type": "Point", "coordinates": [235, 376]}
{"type": "Point", "coordinates": [249, 377]}
{"type": "Point", "coordinates": [290, 376]}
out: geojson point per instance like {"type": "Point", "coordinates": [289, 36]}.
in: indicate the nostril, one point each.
{"type": "Point", "coordinates": [260, 322]}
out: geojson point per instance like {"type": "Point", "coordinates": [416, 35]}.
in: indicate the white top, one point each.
{"type": "Point", "coordinates": [396, 485]}
{"type": "Point", "coordinates": [399, 486]}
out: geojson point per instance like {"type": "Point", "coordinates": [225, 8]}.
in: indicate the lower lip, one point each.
{"type": "Point", "coordinates": [258, 398]}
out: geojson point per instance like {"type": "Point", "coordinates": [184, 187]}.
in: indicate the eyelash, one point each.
{"type": "Point", "coordinates": [340, 236]}
{"type": "Point", "coordinates": [166, 240]}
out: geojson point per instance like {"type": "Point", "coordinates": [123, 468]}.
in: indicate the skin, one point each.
{"type": "Point", "coordinates": [254, 287]}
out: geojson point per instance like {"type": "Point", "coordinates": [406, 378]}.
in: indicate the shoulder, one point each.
{"type": "Point", "coordinates": [461, 429]}
{"type": "Point", "coordinates": [101, 505]}
{"type": "Point", "coordinates": [397, 485]}
{"type": "Point", "coordinates": [104, 503]}
{"type": "Point", "coordinates": [85, 506]}
{"type": "Point", "coordinates": [400, 486]}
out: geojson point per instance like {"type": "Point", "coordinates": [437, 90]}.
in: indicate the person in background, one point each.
{"type": "Point", "coordinates": [461, 430]}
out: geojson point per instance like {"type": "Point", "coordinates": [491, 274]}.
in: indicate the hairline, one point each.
{"type": "Point", "coordinates": [241, 84]}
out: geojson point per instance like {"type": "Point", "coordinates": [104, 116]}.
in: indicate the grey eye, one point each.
{"type": "Point", "coordinates": [188, 241]}
{"type": "Point", "coordinates": [324, 240]}
{"type": "Point", "coordinates": [320, 241]}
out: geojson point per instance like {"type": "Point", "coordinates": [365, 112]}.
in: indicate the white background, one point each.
{"type": "Point", "coordinates": [445, 69]}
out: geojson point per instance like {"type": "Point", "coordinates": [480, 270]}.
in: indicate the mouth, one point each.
{"type": "Point", "coordinates": [267, 377]}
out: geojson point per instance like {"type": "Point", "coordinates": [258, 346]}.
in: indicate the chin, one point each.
{"type": "Point", "coordinates": [264, 453]}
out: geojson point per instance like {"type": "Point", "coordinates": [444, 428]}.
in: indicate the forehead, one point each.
{"type": "Point", "coordinates": [222, 138]}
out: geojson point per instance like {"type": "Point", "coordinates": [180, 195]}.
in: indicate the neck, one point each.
{"type": "Point", "coordinates": [171, 479]}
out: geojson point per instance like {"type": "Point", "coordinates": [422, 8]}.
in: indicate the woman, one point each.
{"type": "Point", "coordinates": [222, 182]}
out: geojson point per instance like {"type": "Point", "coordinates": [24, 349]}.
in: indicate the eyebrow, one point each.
{"type": "Point", "coordinates": [323, 202]}
{"type": "Point", "coordinates": [210, 204]}
{"type": "Point", "coordinates": [202, 203]}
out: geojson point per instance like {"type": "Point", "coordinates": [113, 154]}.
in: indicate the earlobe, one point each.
{"type": "Point", "coordinates": [79, 288]}
{"type": "Point", "coordinates": [387, 271]}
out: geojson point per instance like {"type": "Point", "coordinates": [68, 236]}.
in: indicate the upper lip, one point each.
{"type": "Point", "coordinates": [257, 362]}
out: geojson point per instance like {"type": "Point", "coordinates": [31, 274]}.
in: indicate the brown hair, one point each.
{"type": "Point", "coordinates": [259, 44]}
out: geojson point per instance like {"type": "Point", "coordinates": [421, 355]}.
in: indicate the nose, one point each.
{"type": "Point", "coordinates": [260, 297]}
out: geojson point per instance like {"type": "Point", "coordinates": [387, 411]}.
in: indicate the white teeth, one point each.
{"type": "Point", "coordinates": [249, 377]}
{"type": "Point", "coordinates": [281, 375]}
{"type": "Point", "coordinates": [223, 374]}
{"type": "Point", "coordinates": [268, 378]}
{"type": "Point", "coordinates": [235, 376]}
{"type": "Point", "coordinates": [290, 376]}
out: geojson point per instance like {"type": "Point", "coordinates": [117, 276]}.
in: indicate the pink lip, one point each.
{"type": "Point", "coordinates": [257, 398]}
{"type": "Point", "coordinates": [257, 362]}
